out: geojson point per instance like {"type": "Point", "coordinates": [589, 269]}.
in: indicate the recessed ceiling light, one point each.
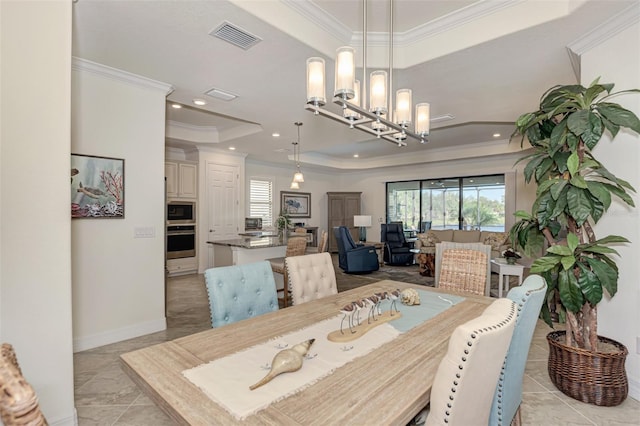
{"type": "Point", "coordinates": [496, 135]}
{"type": "Point", "coordinates": [232, 148]}
{"type": "Point", "coordinates": [176, 106]}
{"type": "Point", "coordinates": [355, 156]}
{"type": "Point", "coordinates": [199, 101]}
{"type": "Point", "coordinates": [275, 134]}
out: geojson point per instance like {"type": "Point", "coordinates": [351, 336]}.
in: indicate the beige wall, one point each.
{"type": "Point", "coordinates": [35, 254]}
{"type": "Point", "coordinates": [118, 280]}
{"type": "Point", "coordinates": [617, 60]}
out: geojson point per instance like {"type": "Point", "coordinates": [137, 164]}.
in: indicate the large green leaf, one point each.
{"type": "Point", "coordinates": [561, 204]}
{"type": "Point", "coordinates": [607, 276]}
{"type": "Point", "coordinates": [561, 159]}
{"type": "Point", "coordinates": [619, 115]}
{"type": "Point", "coordinates": [579, 182]}
{"type": "Point", "coordinates": [611, 127]}
{"type": "Point", "coordinates": [599, 191]}
{"type": "Point", "coordinates": [572, 241]}
{"type": "Point", "coordinates": [599, 250]}
{"type": "Point", "coordinates": [543, 168]}
{"type": "Point", "coordinates": [625, 184]}
{"type": "Point", "coordinates": [521, 214]}
{"type": "Point", "coordinates": [545, 185]}
{"type": "Point", "coordinates": [579, 204]}
{"type": "Point", "coordinates": [573, 162]}
{"type": "Point", "coordinates": [592, 135]}
{"type": "Point", "coordinates": [557, 188]}
{"type": "Point", "coordinates": [560, 250]}
{"type": "Point", "coordinates": [568, 262]}
{"type": "Point", "coordinates": [590, 285]}
{"type": "Point", "coordinates": [544, 263]}
{"type": "Point", "coordinates": [572, 141]}
{"type": "Point", "coordinates": [611, 239]}
{"type": "Point", "coordinates": [578, 122]}
{"type": "Point", "coordinates": [558, 136]}
{"type": "Point", "coordinates": [621, 193]}
{"type": "Point", "coordinates": [546, 206]}
{"type": "Point", "coordinates": [597, 209]}
{"type": "Point", "coordinates": [570, 293]}
{"type": "Point", "coordinates": [531, 166]}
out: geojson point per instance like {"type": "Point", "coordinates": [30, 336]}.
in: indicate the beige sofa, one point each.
{"type": "Point", "coordinates": [427, 244]}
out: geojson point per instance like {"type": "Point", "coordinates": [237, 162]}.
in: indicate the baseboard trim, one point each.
{"type": "Point", "coordinates": [66, 421]}
{"type": "Point", "coordinates": [118, 335]}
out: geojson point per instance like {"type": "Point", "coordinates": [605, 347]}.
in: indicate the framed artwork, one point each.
{"type": "Point", "coordinates": [97, 187]}
{"type": "Point", "coordinates": [296, 204]}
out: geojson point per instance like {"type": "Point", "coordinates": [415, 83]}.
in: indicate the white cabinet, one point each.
{"type": "Point", "coordinates": [185, 265]}
{"type": "Point", "coordinates": [182, 179]}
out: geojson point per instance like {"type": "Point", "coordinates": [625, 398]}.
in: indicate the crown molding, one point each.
{"type": "Point", "coordinates": [80, 64]}
{"type": "Point", "coordinates": [192, 127]}
{"type": "Point", "coordinates": [321, 18]}
{"type": "Point", "coordinates": [606, 30]}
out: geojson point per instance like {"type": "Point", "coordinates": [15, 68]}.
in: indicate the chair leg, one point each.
{"type": "Point", "coordinates": [517, 419]}
{"type": "Point", "coordinates": [285, 288]}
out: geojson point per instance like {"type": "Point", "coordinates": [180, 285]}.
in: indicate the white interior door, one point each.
{"type": "Point", "coordinates": [223, 201]}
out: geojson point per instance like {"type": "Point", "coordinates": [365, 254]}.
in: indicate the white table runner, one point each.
{"type": "Point", "coordinates": [227, 380]}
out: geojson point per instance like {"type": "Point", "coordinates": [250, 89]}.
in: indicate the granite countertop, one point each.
{"type": "Point", "coordinates": [251, 242]}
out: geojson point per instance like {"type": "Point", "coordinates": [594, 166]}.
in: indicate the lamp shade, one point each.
{"type": "Point", "coordinates": [361, 220]}
{"type": "Point", "coordinates": [315, 81]}
{"type": "Point", "coordinates": [378, 92]}
{"type": "Point", "coordinates": [403, 107]}
{"type": "Point", "coordinates": [345, 72]}
{"type": "Point", "coordinates": [294, 185]}
{"type": "Point", "coordinates": [423, 122]}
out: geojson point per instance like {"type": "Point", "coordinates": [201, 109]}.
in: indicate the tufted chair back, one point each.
{"type": "Point", "coordinates": [508, 396]}
{"type": "Point", "coordinates": [467, 375]}
{"type": "Point", "coordinates": [240, 292]}
{"type": "Point", "coordinates": [311, 277]}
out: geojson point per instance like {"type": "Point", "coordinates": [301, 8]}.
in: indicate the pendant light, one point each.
{"type": "Point", "coordinates": [298, 177]}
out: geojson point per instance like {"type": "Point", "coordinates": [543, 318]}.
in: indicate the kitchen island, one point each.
{"type": "Point", "coordinates": [240, 251]}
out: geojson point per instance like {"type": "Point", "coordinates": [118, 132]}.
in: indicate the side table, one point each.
{"type": "Point", "coordinates": [502, 268]}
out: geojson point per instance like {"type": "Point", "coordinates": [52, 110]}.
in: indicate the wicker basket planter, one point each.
{"type": "Point", "coordinates": [591, 377]}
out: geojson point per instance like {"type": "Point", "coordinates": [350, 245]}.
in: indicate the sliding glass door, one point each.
{"type": "Point", "coordinates": [450, 203]}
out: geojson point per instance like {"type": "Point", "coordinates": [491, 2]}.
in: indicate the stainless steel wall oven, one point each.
{"type": "Point", "coordinates": [181, 241]}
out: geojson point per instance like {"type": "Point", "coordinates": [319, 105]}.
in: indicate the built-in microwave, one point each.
{"type": "Point", "coordinates": [253, 224]}
{"type": "Point", "coordinates": [179, 212]}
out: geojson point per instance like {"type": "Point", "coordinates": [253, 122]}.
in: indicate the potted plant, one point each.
{"type": "Point", "coordinates": [574, 191]}
{"type": "Point", "coordinates": [511, 256]}
{"type": "Point", "coordinates": [283, 223]}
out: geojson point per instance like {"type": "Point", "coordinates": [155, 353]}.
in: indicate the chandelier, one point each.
{"type": "Point", "coordinates": [298, 177]}
{"type": "Point", "coordinates": [380, 118]}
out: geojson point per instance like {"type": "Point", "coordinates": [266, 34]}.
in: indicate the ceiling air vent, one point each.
{"type": "Point", "coordinates": [235, 35]}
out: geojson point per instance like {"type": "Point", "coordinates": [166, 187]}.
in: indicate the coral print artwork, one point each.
{"type": "Point", "coordinates": [97, 187]}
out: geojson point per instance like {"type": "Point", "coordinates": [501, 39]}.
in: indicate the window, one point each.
{"type": "Point", "coordinates": [454, 203]}
{"type": "Point", "coordinates": [261, 199]}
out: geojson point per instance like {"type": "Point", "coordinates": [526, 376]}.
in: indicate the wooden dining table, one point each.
{"type": "Point", "coordinates": [387, 386]}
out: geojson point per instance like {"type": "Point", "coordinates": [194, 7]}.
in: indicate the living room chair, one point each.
{"type": "Point", "coordinates": [18, 401]}
{"type": "Point", "coordinates": [508, 396]}
{"type": "Point", "coordinates": [311, 277]}
{"type": "Point", "coordinates": [296, 246]}
{"type": "Point", "coordinates": [352, 257]}
{"type": "Point", "coordinates": [240, 292]}
{"type": "Point", "coordinates": [463, 270]}
{"type": "Point", "coordinates": [462, 388]}
{"type": "Point", "coordinates": [483, 248]}
{"type": "Point", "coordinates": [396, 248]}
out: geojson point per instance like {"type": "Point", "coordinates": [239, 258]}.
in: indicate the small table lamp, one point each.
{"type": "Point", "coordinates": [363, 222]}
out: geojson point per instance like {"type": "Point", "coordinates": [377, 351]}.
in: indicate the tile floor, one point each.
{"type": "Point", "coordinates": [104, 395]}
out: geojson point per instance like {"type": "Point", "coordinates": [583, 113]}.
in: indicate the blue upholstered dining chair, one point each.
{"type": "Point", "coordinates": [240, 292]}
{"type": "Point", "coordinates": [506, 402]}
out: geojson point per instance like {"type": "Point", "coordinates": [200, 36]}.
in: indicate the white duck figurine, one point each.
{"type": "Point", "coordinates": [286, 361]}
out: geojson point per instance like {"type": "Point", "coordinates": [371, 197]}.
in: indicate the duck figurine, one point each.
{"type": "Point", "coordinates": [286, 361]}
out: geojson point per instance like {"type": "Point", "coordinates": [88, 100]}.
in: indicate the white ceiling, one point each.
{"type": "Point", "coordinates": [484, 62]}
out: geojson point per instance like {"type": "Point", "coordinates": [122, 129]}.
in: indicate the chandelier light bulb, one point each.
{"type": "Point", "coordinates": [315, 81]}
{"type": "Point", "coordinates": [423, 121]}
{"type": "Point", "coordinates": [345, 73]}
{"type": "Point", "coordinates": [403, 107]}
{"type": "Point", "coordinates": [378, 92]}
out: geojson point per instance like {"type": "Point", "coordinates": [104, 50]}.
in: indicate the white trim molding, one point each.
{"type": "Point", "coordinates": [80, 64]}
{"type": "Point", "coordinates": [118, 335]}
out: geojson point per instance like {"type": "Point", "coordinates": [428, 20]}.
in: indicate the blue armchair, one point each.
{"type": "Point", "coordinates": [352, 257]}
{"type": "Point", "coordinates": [240, 292]}
{"type": "Point", "coordinates": [508, 395]}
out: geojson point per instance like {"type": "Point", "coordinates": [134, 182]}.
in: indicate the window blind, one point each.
{"type": "Point", "coordinates": [261, 199]}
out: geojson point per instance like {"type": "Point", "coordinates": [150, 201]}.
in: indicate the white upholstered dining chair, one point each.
{"type": "Point", "coordinates": [311, 277]}
{"type": "Point", "coordinates": [462, 391]}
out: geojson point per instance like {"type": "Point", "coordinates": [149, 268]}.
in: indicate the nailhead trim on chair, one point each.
{"type": "Point", "coordinates": [466, 352]}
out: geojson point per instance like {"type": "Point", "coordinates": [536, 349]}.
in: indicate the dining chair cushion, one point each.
{"type": "Point", "coordinates": [311, 277]}
{"type": "Point", "coordinates": [240, 292]}
{"type": "Point", "coordinates": [463, 387]}
{"type": "Point", "coordinates": [507, 398]}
